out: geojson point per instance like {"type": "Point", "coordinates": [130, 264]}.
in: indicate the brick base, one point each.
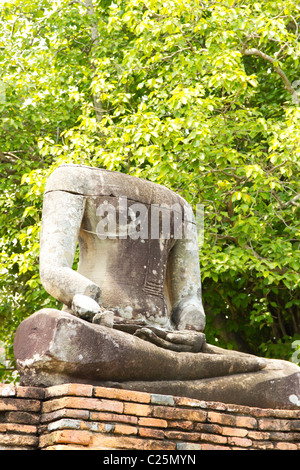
{"type": "Point", "coordinates": [85, 417]}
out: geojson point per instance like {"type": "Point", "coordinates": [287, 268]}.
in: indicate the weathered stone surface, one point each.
{"type": "Point", "coordinates": [268, 388]}
{"type": "Point", "coordinates": [56, 347]}
{"type": "Point", "coordinates": [121, 273]}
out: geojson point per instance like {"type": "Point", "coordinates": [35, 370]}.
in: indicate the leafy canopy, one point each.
{"type": "Point", "coordinates": [200, 96]}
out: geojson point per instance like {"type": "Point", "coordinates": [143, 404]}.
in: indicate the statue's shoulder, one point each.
{"type": "Point", "coordinates": [77, 179]}
{"type": "Point", "coordinates": [91, 181]}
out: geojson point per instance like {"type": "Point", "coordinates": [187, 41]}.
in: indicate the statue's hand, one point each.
{"type": "Point", "coordinates": [105, 318]}
{"type": "Point", "coordinates": [88, 309]}
{"type": "Point", "coordinates": [181, 341]}
{"type": "Point", "coordinates": [85, 307]}
{"type": "Point", "coordinates": [192, 339]}
{"type": "Point", "coordinates": [189, 315]}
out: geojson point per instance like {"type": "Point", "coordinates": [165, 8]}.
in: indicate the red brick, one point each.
{"type": "Point", "coordinates": [295, 425]}
{"type": "Point", "coordinates": [270, 413]}
{"type": "Point", "coordinates": [15, 404]}
{"type": "Point", "coordinates": [179, 413]}
{"type": "Point", "coordinates": [258, 435]}
{"type": "Point", "coordinates": [20, 428]}
{"type": "Point", "coordinates": [209, 427]}
{"type": "Point", "coordinates": [160, 445]}
{"type": "Point", "coordinates": [213, 405]}
{"type": "Point", "coordinates": [64, 413]}
{"type": "Point", "coordinates": [213, 438]}
{"type": "Point", "coordinates": [30, 392]}
{"type": "Point", "coordinates": [18, 440]}
{"type": "Point", "coordinates": [79, 390]}
{"type": "Point", "coordinates": [220, 418]}
{"type": "Point", "coordinates": [125, 429]}
{"type": "Point", "coordinates": [123, 395]}
{"type": "Point", "coordinates": [184, 401]}
{"type": "Point", "coordinates": [231, 420]}
{"type": "Point", "coordinates": [83, 403]}
{"type": "Point", "coordinates": [184, 425]}
{"type": "Point", "coordinates": [282, 436]}
{"type": "Point", "coordinates": [241, 410]}
{"type": "Point", "coordinates": [103, 416]}
{"type": "Point", "coordinates": [109, 405]}
{"type": "Point", "coordinates": [137, 409]}
{"type": "Point", "coordinates": [262, 445]}
{"type": "Point", "coordinates": [151, 432]}
{"type": "Point", "coordinates": [156, 422]}
{"type": "Point", "coordinates": [239, 441]}
{"type": "Point", "coordinates": [285, 446]}
{"type": "Point", "coordinates": [245, 422]}
{"type": "Point", "coordinates": [268, 424]}
{"type": "Point", "coordinates": [22, 417]}
{"type": "Point", "coordinates": [181, 435]}
{"type": "Point", "coordinates": [234, 432]}
{"type": "Point", "coordinates": [66, 436]}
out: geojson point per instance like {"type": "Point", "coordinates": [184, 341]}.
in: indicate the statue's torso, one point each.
{"type": "Point", "coordinates": [130, 272]}
{"type": "Point", "coordinates": [130, 268]}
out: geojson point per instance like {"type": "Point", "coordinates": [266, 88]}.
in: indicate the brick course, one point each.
{"type": "Point", "coordinates": [86, 417]}
{"type": "Point", "coordinates": [19, 417]}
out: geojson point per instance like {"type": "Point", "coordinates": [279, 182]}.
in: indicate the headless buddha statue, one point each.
{"type": "Point", "coordinates": [132, 313]}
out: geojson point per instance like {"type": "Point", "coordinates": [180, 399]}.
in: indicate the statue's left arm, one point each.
{"type": "Point", "coordinates": [184, 285]}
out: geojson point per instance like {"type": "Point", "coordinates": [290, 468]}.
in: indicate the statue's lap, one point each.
{"type": "Point", "coordinates": [55, 347]}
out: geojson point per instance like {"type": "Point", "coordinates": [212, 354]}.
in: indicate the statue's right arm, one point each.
{"type": "Point", "coordinates": [61, 221]}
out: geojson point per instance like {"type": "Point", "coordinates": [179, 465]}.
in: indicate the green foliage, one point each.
{"type": "Point", "coordinates": [172, 92]}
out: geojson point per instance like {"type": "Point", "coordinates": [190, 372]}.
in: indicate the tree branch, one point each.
{"type": "Point", "coordinates": [278, 70]}
{"type": "Point", "coordinates": [292, 201]}
{"type": "Point", "coordinates": [95, 40]}
{"type": "Point", "coordinates": [283, 205]}
{"type": "Point", "coordinates": [8, 157]}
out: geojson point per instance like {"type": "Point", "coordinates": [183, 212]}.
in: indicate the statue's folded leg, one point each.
{"type": "Point", "coordinates": [276, 386]}
{"type": "Point", "coordinates": [53, 347]}
{"type": "Point", "coordinates": [55, 342]}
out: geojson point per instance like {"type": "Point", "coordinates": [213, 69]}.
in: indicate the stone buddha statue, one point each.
{"type": "Point", "coordinates": [132, 314]}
